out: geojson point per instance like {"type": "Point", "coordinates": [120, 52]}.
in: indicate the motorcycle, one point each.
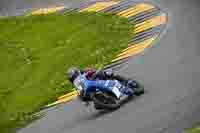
{"type": "Point", "coordinates": [108, 100]}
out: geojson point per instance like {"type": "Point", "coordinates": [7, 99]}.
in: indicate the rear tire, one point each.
{"type": "Point", "coordinates": [97, 106]}
{"type": "Point", "coordinates": [108, 102]}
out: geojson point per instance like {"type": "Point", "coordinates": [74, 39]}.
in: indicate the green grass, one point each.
{"type": "Point", "coordinates": [36, 50]}
{"type": "Point", "coordinates": [195, 129]}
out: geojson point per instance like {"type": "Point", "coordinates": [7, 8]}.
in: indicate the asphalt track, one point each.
{"type": "Point", "coordinates": [18, 7]}
{"type": "Point", "coordinates": [170, 73]}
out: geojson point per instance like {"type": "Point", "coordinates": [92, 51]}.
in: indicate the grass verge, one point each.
{"type": "Point", "coordinates": [36, 50]}
{"type": "Point", "coordinates": [195, 129]}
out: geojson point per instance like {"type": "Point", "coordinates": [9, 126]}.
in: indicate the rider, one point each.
{"type": "Point", "coordinates": [92, 74]}
{"type": "Point", "coordinates": [88, 79]}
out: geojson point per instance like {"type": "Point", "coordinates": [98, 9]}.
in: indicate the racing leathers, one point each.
{"type": "Point", "coordinates": [86, 86]}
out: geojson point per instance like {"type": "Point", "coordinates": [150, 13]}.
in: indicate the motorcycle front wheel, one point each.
{"type": "Point", "coordinates": [139, 89]}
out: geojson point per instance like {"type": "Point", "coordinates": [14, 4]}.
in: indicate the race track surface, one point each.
{"type": "Point", "coordinates": [18, 7]}
{"type": "Point", "coordinates": [170, 73]}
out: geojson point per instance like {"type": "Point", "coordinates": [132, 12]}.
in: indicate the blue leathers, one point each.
{"type": "Point", "coordinates": [82, 83]}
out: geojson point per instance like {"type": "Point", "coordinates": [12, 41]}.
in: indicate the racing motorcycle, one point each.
{"type": "Point", "coordinates": [107, 100]}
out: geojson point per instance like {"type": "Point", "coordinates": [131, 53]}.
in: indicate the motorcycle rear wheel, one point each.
{"type": "Point", "coordinates": [106, 101]}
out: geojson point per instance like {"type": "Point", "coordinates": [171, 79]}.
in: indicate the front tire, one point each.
{"type": "Point", "coordinates": [139, 90]}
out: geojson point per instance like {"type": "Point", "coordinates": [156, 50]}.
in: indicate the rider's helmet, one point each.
{"type": "Point", "coordinates": [89, 72]}
{"type": "Point", "coordinates": [72, 73]}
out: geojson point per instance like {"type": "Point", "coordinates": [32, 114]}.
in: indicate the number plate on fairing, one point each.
{"type": "Point", "coordinates": [116, 89]}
